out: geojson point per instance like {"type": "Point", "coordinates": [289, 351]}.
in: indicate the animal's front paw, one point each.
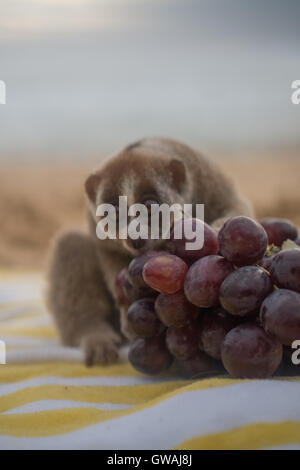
{"type": "Point", "coordinates": [100, 348]}
{"type": "Point", "coordinates": [125, 327]}
{"type": "Point", "coordinates": [128, 332]}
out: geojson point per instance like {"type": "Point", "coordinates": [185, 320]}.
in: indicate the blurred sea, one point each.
{"type": "Point", "coordinates": [84, 78]}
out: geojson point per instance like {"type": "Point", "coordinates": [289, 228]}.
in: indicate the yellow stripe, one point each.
{"type": "Point", "coordinates": [4, 306]}
{"type": "Point", "coordinates": [146, 395]}
{"type": "Point", "coordinates": [17, 273]}
{"type": "Point", "coordinates": [18, 347]}
{"type": "Point", "coordinates": [49, 423]}
{"type": "Point", "coordinates": [17, 372]}
{"type": "Point", "coordinates": [60, 420]}
{"type": "Point", "coordinates": [127, 394]}
{"type": "Point", "coordinates": [252, 436]}
{"type": "Point", "coordinates": [23, 323]}
{"type": "Point", "coordinates": [22, 319]}
{"type": "Point", "coordinates": [43, 332]}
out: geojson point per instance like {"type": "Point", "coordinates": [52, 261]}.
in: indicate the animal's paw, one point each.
{"type": "Point", "coordinates": [125, 327]}
{"type": "Point", "coordinates": [101, 347]}
{"type": "Point", "coordinates": [127, 332]}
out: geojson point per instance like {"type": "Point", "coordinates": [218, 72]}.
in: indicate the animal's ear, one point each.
{"type": "Point", "coordinates": [178, 175]}
{"type": "Point", "coordinates": [91, 186]}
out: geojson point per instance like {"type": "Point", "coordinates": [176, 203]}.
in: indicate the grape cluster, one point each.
{"type": "Point", "coordinates": [233, 305]}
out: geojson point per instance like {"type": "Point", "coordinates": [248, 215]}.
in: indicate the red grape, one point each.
{"type": "Point", "coordinates": [142, 318]}
{"type": "Point", "coordinates": [214, 327]}
{"type": "Point", "coordinates": [135, 268]}
{"type": "Point", "coordinates": [165, 273]}
{"type": "Point", "coordinates": [178, 246]}
{"type": "Point", "coordinates": [266, 262]}
{"type": "Point", "coordinates": [150, 355]}
{"type": "Point", "coordinates": [241, 278]}
{"type": "Point", "coordinates": [132, 293]}
{"type": "Point", "coordinates": [285, 269]}
{"type": "Point", "coordinates": [183, 342]}
{"type": "Point", "coordinates": [279, 230]}
{"type": "Point", "coordinates": [119, 286]}
{"type": "Point", "coordinates": [175, 310]}
{"type": "Point", "coordinates": [280, 315]}
{"type": "Point", "coordinates": [204, 278]}
{"type": "Point", "coordinates": [249, 352]}
{"type": "Point", "coordinates": [200, 365]}
{"type": "Point", "coordinates": [242, 241]}
{"type": "Point", "coordinates": [244, 290]}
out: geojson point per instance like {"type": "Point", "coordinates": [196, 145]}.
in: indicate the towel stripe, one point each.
{"type": "Point", "coordinates": [47, 332]}
{"type": "Point", "coordinates": [192, 407]}
{"type": "Point", "coordinates": [126, 395]}
{"type": "Point", "coordinates": [48, 399]}
{"type": "Point", "coordinates": [17, 372]}
{"type": "Point", "coordinates": [52, 405]}
{"type": "Point", "coordinates": [49, 423]}
{"type": "Point", "coordinates": [254, 436]}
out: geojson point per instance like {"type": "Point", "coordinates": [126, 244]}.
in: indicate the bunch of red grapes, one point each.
{"type": "Point", "coordinates": [233, 305]}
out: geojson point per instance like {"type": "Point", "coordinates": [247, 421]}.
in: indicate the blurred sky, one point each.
{"type": "Point", "coordinates": [85, 77]}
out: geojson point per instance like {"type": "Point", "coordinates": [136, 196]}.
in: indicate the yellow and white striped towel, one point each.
{"type": "Point", "coordinates": [49, 400]}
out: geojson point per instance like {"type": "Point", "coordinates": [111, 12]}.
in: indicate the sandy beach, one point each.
{"type": "Point", "coordinates": [37, 200]}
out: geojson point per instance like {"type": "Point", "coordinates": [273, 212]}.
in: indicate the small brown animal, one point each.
{"type": "Point", "coordinates": [82, 272]}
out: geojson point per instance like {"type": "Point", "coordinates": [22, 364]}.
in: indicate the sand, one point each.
{"type": "Point", "coordinates": [38, 200]}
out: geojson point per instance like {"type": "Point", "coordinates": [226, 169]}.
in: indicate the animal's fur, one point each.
{"type": "Point", "coordinates": [82, 272]}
